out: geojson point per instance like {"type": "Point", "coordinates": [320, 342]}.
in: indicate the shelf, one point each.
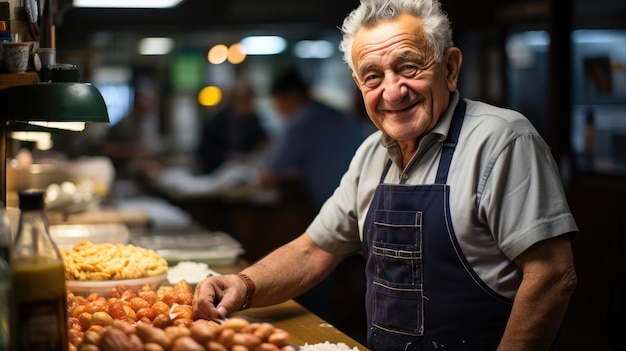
{"type": "Point", "coordinates": [14, 79]}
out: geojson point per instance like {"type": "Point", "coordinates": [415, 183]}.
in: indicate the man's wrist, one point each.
{"type": "Point", "coordinates": [250, 288]}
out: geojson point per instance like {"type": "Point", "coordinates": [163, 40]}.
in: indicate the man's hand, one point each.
{"type": "Point", "coordinates": [218, 296]}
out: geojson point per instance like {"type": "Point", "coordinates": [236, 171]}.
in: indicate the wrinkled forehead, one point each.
{"type": "Point", "coordinates": [403, 24]}
{"type": "Point", "coordinates": [404, 31]}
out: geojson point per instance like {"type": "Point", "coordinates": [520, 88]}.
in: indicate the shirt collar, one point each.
{"type": "Point", "coordinates": [443, 125]}
{"type": "Point", "coordinates": [441, 128]}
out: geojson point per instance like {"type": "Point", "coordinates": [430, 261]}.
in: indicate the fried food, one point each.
{"type": "Point", "coordinates": [89, 261]}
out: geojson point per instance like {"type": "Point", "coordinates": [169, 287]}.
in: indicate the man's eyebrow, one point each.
{"type": "Point", "coordinates": [407, 56]}
{"type": "Point", "coordinates": [365, 68]}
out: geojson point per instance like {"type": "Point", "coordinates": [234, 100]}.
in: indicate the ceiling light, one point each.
{"type": "Point", "coordinates": [597, 36]}
{"type": "Point", "coordinates": [218, 54]}
{"type": "Point", "coordinates": [236, 54]}
{"type": "Point", "coordinates": [314, 49]}
{"type": "Point", "coordinates": [43, 140]}
{"type": "Point", "coordinates": [71, 126]}
{"type": "Point", "coordinates": [127, 3]}
{"type": "Point", "coordinates": [55, 102]}
{"type": "Point", "coordinates": [263, 45]}
{"type": "Point", "coordinates": [155, 46]}
{"type": "Point", "coordinates": [210, 96]}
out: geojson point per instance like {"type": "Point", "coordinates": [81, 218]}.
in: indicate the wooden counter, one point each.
{"type": "Point", "coordinates": [303, 326]}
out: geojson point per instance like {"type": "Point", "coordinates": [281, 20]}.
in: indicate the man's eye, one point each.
{"type": "Point", "coordinates": [371, 80]}
{"type": "Point", "coordinates": [408, 69]}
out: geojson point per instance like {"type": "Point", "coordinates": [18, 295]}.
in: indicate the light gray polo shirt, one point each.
{"type": "Point", "coordinates": [505, 190]}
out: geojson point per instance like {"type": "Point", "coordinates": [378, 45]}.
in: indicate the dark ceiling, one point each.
{"type": "Point", "coordinates": [202, 15]}
{"type": "Point", "coordinates": [206, 15]}
{"type": "Point", "coordinates": [77, 27]}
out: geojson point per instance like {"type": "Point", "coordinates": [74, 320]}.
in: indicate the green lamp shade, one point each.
{"type": "Point", "coordinates": [53, 102]}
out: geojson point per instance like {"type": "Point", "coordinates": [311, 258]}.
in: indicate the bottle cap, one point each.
{"type": "Point", "coordinates": [31, 200]}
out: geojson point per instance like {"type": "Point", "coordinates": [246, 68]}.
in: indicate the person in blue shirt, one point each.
{"type": "Point", "coordinates": [313, 151]}
{"type": "Point", "coordinates": [316, 144]}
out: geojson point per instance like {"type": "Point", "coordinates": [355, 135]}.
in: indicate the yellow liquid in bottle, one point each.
{"type": "Point", "coordinates": [40, 320]}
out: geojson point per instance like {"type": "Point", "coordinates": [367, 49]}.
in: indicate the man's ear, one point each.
{"type": "Point", "coordinates": [453, 58]}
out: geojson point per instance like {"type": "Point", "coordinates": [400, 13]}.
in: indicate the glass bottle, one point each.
{"type": "Point", "coordinates": [5, 35]}
{"type": "Point", "coordinates": [5, 305]}
{"type": "Point", "coordinates": [6, 242]}
{"type": "Point", "coordinates": [6, 238]}
{"type": "Point", "coordinates": [39, 295]}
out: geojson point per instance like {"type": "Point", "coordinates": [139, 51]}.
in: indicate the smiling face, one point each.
{"type": "Point", "coordinates": [405, 91]}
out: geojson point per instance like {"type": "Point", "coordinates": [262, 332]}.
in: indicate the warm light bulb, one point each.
{"type": "Point", "coordinates": [210, 96]}
{"type": "Point", "coordinates": [236, 54]}
{"type": "Point", "coordinates": [218, 54]}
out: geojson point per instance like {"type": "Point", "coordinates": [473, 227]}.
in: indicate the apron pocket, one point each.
{"type": "Point", "coordinates": [397, 264]}
{"type": "Point", "coordinates": [397, 246]}
{"type": "Point", "coordinates": [398, 308]}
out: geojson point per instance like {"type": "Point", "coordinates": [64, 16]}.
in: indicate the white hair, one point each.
{"type": "Point", "coordinates": [370, 13]}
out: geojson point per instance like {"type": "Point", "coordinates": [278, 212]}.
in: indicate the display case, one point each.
{"type": "Point", "coordinates": [598, 132]}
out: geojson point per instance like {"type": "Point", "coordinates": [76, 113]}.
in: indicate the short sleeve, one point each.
{"type": "Point", "coordinates": [523, 201]}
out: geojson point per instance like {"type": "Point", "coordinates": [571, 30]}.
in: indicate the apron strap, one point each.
{"type": "Point", "coordinates": [450, 143]}
{"type": "Point", "coordinates": [385, 170]}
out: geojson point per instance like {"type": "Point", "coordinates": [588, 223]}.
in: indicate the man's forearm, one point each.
{"type": "Point", "coordinates": [535, 320]}
{"type": "Point", "coordinates": [289, 271]}
{"type": "Point", "coordinates": [549, 280]}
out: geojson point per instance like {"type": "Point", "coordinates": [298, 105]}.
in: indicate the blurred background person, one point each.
{"type": "Point", "coordinates": [233, 133]}
{"type": "Point", "coordinates": [316, 143]}
{"type": "Point", "coordinates": [314, 148]}
{"type": "Point", "coordinates": [135, 141]}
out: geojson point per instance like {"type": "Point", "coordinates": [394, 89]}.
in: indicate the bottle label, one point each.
{"type": "Point", "coordinates": [40, 324]}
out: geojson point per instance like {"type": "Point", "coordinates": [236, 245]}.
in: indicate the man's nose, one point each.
{"type": "Point", "coordinates": [394, 90]}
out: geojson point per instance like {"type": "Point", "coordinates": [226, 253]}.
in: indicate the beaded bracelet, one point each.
{"type": "Point", "coordinates": [250, 288]}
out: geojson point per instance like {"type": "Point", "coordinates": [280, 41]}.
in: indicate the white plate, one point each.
{"type": "Point", "coordinates": [103, 287]}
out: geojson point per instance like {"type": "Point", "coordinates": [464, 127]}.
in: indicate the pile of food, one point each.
{"type": "Point", "coordinates": [161, 320]}
{"type": "Point", "coordinates": [150, 318]}
{"type": "Point", "coordinates": [89, 261]}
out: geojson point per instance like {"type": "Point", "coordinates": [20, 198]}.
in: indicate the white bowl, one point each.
{"type": "Point", "coordinates": [103, 287]}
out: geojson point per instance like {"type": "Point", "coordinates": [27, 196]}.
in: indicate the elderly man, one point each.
{"type": "Point", "coordinates": [456, 205]}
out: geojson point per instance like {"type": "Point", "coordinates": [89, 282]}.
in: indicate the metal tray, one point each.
{"type": "Point", "coordinates": [208, 247]}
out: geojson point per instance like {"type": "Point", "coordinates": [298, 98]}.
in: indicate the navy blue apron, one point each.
{"type": "Point", "coordinates": [422, 294]}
